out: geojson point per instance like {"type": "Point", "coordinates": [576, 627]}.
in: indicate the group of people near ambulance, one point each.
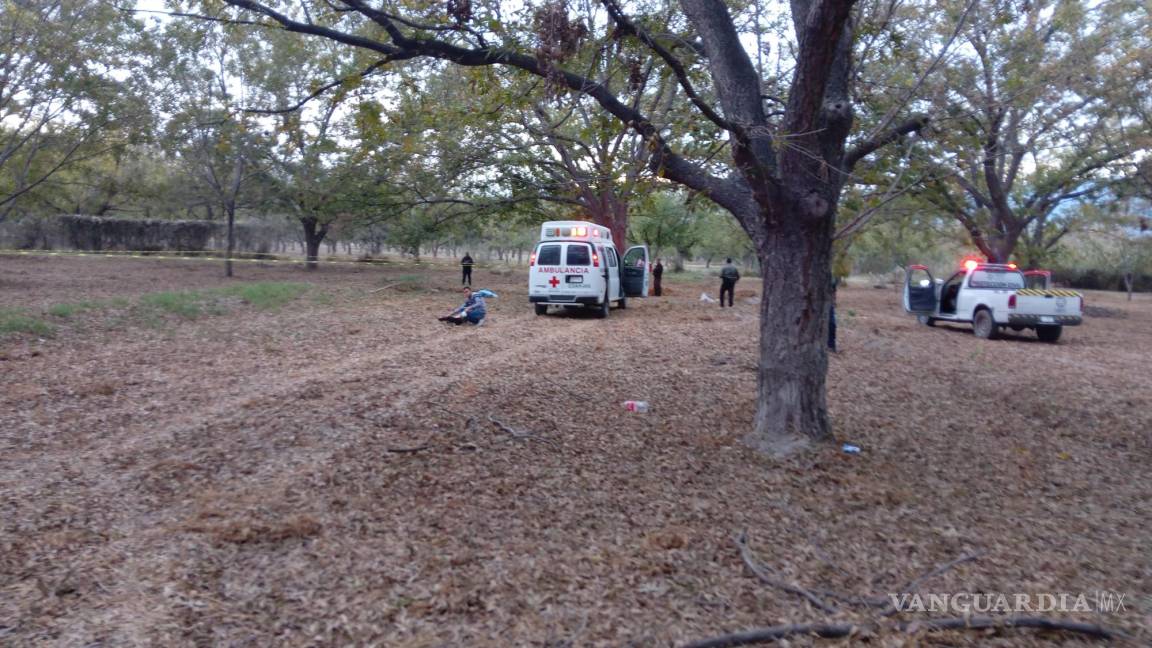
{"type": "Point", "coordinates": [474, 309]}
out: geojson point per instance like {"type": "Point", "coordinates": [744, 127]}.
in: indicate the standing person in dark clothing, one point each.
{"type": "Point", "coordinates": [729, 275]}
{"type": "Point", "coordinates": [832, 318]}
{"type": "Point", "coordinates": [832, 329]}
{"type": "Point", "coordinates": [466, 266]}
{"type": "Point", "coordinates": [657, 272]}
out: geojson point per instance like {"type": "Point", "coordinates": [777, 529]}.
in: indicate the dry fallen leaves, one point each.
{"type": "Point", "coordinates": [330, 473]}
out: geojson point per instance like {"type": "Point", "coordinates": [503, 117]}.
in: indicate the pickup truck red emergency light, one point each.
{"type": "Point", "coordinates": [993, 297]}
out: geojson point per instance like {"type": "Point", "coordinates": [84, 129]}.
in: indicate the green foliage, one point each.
{"type": "Point", "coordinates": [71, 92]}
{"type": "Point", "coordinates": [1118, 246]}
{"type": "Point", "coordinates": [904, 236]}
{"type": "Point", "coordinates": [69, 309]}
{"type": "Point", "coordinates": [16, 321]}
{"type": "Point", "coordinates": [720, 236]}
{"type": "Point", "coordinates": [666, 224]}
{"type": "Point", "coordinates": [1027, 115]}
{"type": "Point", "coordinates": [191, 304]}
{"type": "Point", "coordinates": [182, 303]}
{"type": "Point", "coordinates": [265, 295]}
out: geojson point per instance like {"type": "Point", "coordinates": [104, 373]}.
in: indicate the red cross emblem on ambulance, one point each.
{"type": "Point", "coordinates": [554, 281]}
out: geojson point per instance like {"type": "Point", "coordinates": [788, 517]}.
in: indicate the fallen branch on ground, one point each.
{"type": "Point", "coordinates": [516, 434]}
{"type": "Point", "coordinates": [889, 601]}
{"type": "Point", "coordinates": [762, 572]}
{"type": "Point", "coordinates": [839, 630]}
{"type": "Point", "coordinates": [373, 292]}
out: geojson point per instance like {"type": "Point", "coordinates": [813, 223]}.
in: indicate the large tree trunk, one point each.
{"type": "Point", "coordinates": [314, 234]}
{"type": "Point", "coordinates": [999, 244]}
{"type": "Point", "coordinates": [794, 308]}
{"type": "Point", "coordinates": [611, 212]}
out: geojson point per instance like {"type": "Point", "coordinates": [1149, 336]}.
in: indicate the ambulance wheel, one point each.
{"type": "Point", "coordinates": [602, 310]}
{"type": "Point", "coordinates": [925, 320]}
{"type": "Point", "coordinates": [1049, 333]}
{"type": "Point", "coordinates": [983, 325]}
{"type": "Point", "coordinates": [541, 309]}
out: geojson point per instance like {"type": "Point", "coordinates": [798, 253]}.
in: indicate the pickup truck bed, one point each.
{"type": "Point", "coordinates": [991, 297]}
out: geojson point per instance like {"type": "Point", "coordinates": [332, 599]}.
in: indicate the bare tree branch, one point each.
{"type": "Point", "coordinates": [864, 149]}
{"type": "Point", "coordinates": [839, 630]}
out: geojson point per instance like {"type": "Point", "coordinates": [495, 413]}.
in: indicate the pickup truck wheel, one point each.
{"type": "Point", "coordinates": [925, 320]}
{"type": "Point", "coordinates": [1049, 333]}
{"type": "Point", "coordinates": [541, 309]}
{"type": "Point", "coordinates": [983, 325]}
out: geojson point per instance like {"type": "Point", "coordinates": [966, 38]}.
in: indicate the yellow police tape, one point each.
{"type": "Point", "coordinates": [1045, 292]}
{"type": "Point", "coordinates": [175, 255]}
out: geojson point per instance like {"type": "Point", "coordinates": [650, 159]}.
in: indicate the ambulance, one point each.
{"type": "Point", "coordinates": [576, 264]}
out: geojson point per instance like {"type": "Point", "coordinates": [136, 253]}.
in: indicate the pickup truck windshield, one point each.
{"type": "Point", "coordinates": [1003, 279]}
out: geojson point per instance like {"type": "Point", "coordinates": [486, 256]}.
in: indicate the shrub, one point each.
{"type": "Point", "coordinates": [93, 233]}
{"type": "Point", "coordinates": [1096, 279]}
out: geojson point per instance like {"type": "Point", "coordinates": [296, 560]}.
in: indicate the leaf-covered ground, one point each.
{"type": "Point", "coordinates": [340, 469]}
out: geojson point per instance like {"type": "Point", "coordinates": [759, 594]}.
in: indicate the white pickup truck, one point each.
{"type": "Point", "coordinates": [992, 297]}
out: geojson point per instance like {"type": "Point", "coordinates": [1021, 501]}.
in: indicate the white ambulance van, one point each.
{"type": "Point", "coordinates": [576, 264]}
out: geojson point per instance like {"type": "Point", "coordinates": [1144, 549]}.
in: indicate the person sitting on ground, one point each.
{"type": "Point", "coordinates": [473, 310]}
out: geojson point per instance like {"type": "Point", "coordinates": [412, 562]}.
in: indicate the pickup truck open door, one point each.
{"type": "Point", "coordinates": [919, 291]}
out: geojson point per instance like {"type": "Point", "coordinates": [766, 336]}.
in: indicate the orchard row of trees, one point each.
{"type": "Point", "coordinates": [1013, 126]}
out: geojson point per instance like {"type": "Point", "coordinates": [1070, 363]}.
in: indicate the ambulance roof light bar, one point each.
{"type": "Point", "coordinates": [575, 229]}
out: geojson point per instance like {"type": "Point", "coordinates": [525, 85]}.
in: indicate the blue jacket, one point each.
{"type": "Point", "coordinates": [476, 302]}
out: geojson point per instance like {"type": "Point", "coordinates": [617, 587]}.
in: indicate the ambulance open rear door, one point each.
{"type": "Point", "coordinates": [635, 271]}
